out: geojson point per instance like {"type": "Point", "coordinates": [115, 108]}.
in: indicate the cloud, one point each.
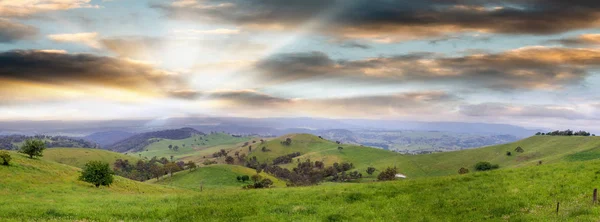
{"type": "Point", "coordinates": [78, 73]}
{"type": "Point", "coordinates": [524, 68]}
{"type": "Point", "coordinates": [354, 44]}
{"type": "Point", "coordinates": [389, 21]}
{"type": "Point", "coordinates": [11, 31]}
{"type": "Point", "coordinates": [208, 32]}
{"type": "Point", "coordinates": [584, 40]}
{"type": "Point", "coordinates": [515, 110]}
{"type": "Point", "coordinates": [400, 104]}
{"type": "Point", "coordinates": [87, 38]}
{"type": "Point", "coordinates": [24, 8]}
{"type": "Point", "coordinates": [185, 94]}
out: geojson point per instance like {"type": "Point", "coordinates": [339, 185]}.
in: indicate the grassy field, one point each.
{"type": "Point", "coordinates": [548, 149]}
{"type": "Point", "coordinates": [190, 147]}
{"type": "Point", "coordinates": [78, 157]}
{"type": "Point", "coordinates": [45, 191]}
{"type": "Point", "coordinates": [213, 176]}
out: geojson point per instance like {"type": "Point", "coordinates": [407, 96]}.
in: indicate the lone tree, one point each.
{"type": "Point", "coordinates": [33, 148]}
{"type": "Point", "coordinates": [519, 149]}
{"type": "Point", "coordinates": [170, 146]}
{"type": "Point", "coordinates": [371, 170]}
{"type": "Point", "coordinates": [463, 170]}
{"type": "Point", "coordinates": [97, 173]}
{"type": "Point", "coordinates": [508, 153]}
{"type": "Point", "coordinates": [5, 156]}
{"type": "Point", "coordinates": [340, 148]}
{"type": "Point", "coordinates": [388, 174]}
{"type": "Point", "coordinates": [191, 165]}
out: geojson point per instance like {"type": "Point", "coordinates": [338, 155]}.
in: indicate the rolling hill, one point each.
{"type": "Point", "coordinates": [78, 157]}
{"type": "Point", "coordinates": [213, 176]}
{"type": "Point", "coordinates": [548, 149]}
{"type": "Point", "coordinates": [139, 141]}
{"type": "Point", "coordinates": [43, 190]}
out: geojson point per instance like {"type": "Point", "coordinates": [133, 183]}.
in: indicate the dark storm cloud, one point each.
{"type": "Point", "coordinates": [62, 70]}
{"type": "Point", "coordinates": [525, 68]}
{"type": "Point", "coordinates": [386, 20]}
{"type": "Point", "coordinates": [11, 31]}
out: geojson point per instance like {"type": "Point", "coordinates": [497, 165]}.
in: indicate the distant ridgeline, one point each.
{"type": "Point", "coordinates": [12, 142]}
{"type": "Point", "coordinates": [139, 141]}
{"type": "Point", "coordinates": [565, 133]}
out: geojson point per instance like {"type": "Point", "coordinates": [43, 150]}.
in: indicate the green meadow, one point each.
{"type": "Point", "coordinates": [190, 147]}
{"type": "Point", "coordinates": [78, 157]}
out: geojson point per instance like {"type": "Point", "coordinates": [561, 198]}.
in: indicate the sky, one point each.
{"type": "Point", "coordinates": [532, 63]}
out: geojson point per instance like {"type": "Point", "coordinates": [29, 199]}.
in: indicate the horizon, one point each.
{"type": "Point", "coordinates": [531, 64]}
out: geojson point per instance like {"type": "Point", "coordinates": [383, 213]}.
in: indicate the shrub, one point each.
{"type": "Point", "coordinates": [229, 160]}
{"type": "Point", "coordinates": [519, 149]}
{"type": "Point", "coordinates": [97, 173]}
{"type": "Point", "coordinates": [485, 166]}
{"type": "Point", "coordinates": [463, 170]}
{"type": "Point", "coordinates": [33, 148]}
{"type": "Point", "coordinates": [388, 174]}
{"type": "Point", "coordinates": [508, 153]}
{"type": "Point", "coordinates": [191, 165]}
{"type": "Point", "coordinates": [209, 162]}
{"type": "Point", "coordinates": [371, 170]}
{"type": "Point", "coordinates": [5, 156]}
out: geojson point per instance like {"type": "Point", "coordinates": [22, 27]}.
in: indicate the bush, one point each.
{"type": "Point", "coordinates": [371, 170]}
{"type": "Point", "coordinates": [485, 166]}
{"type": "Point", "coordinates": [5, 156]}
{"type": "Point", "coordinates": [508, 153]}
{"type": "Point", "coordinates": [97, 173]}
{"type": "Point", "coordinates": [33, 148]}
{"type": "Point", "coordinates": [463, 170]}
{"type": "Point", "coordinates": [388, 174]}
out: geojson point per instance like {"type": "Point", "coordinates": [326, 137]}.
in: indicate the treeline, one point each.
{"type": "Point", "coordinates": [9, 142]}
{"type": "Point", "coordinates": [311, 173]}
{"type": "Point", "coordinates": [154, 168]}
{"type": "Point", "coordinates": [139, 141]}
{"type": "Point", "coordinates": [565, 133]}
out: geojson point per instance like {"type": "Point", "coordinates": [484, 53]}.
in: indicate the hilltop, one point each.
{"type": "Point", "coordinates": [140, 141]}
{"type": "Point", "coordinates": [78, 157]}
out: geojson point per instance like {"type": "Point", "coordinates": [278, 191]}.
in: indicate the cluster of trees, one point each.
{"type": "Point", "coordinates": [285, 159]}
{"type": "Point", "coordinates": [259, 182]}
{"type": "Point", "coordinates": [566, 133]}
{"type": "Point", "coordinates": [286, 142]}
{"type": "Point", "coordinates": [221, 153]}
{"type": "Point", "coordinates": [153, 168]}
{"type": "Point", "coordinates": [174, 148]}
{"type": "Point", "coordinates": [485, 166]}
{"type": "Point", "coordinates": [310, 173]}
{"type": "Point", "coordinates": [8, 142]}
{"type": "Point", "coordinates": [388, 174]}
{"type": "Point", "coordinates": [140, 141]}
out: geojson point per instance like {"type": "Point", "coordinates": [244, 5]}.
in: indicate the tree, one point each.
{"type": "Point", "coordinates": [463, 170]}
{"type": "Point", "coordinates": [519, 149]}
{"type": "Point", "coordinates": [245, 178]}
{"type": "Point", "coordinates": [170, 146]}
{"type": "Point", "coordinates": [5, 156]}
{"type": "Point", "coordinates": [156, 171]}
{"type": "Point", "coordinates": [229, 160]}
{"type": "Point", "coordinates": [171, 168]}
{"type": "Point", "coordinates": [256, 178]}
{"type": "Point", "coordinates": [176, 148]}
{"type": "Point", "coordinates": [388, 174]}
{"type": "Point", "coordinates": [371, 170]}
{"type": "Point", "coordinates": [340, 148]}
{"type": "Point", "coordinates": [97, 173]}
{"type": "Point", "coordinates": [508, 153]}
{"type": "Point", "coordinates": [33, 147]}
{"type": "Point", "coordinates": [485, 166]}
{"type": "Point", "coordinates": [191, 165]}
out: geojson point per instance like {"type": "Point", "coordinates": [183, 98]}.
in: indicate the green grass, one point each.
{"type": "Point", "coordinates": [41, 190]}
{"type": "Point", "coordinates": [214, 176]}
{"type": "Point", "coordinates": [549, 149]}
{"type": "Point", "coordinates": [193, 146]}
{"type": "Point", "coordinates": [78, 157]}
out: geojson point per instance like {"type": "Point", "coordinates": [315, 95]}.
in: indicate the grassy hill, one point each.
{"type": "Point", "coordinates": [42, 190]}
{"type": "Point", "coordinates": [213, 176]}
{"type": "Point", "coordinates": [78, 157]}
{"type": "Point", "coordinates": [192, 146]}
{"type": "Point", "coordinates": [548, 149]}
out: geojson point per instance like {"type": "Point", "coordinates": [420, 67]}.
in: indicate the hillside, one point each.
{"type": "Point", "coordinates": [78, 157]}
{"type": "Point", "coordinates": [107, 138]}
{"type": "Point", "coordinates": [214, 176]}
{"type": "Point", "coordinates": [192, 147]}
{"type": "Point", "coordinates": [139, 141]}
{"type": "Point", "coordinates": [42, 190]}
{"type": "Point", "coordinates": [14, 142]}
{"type": "Point", "coordinates": [548, 149]}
